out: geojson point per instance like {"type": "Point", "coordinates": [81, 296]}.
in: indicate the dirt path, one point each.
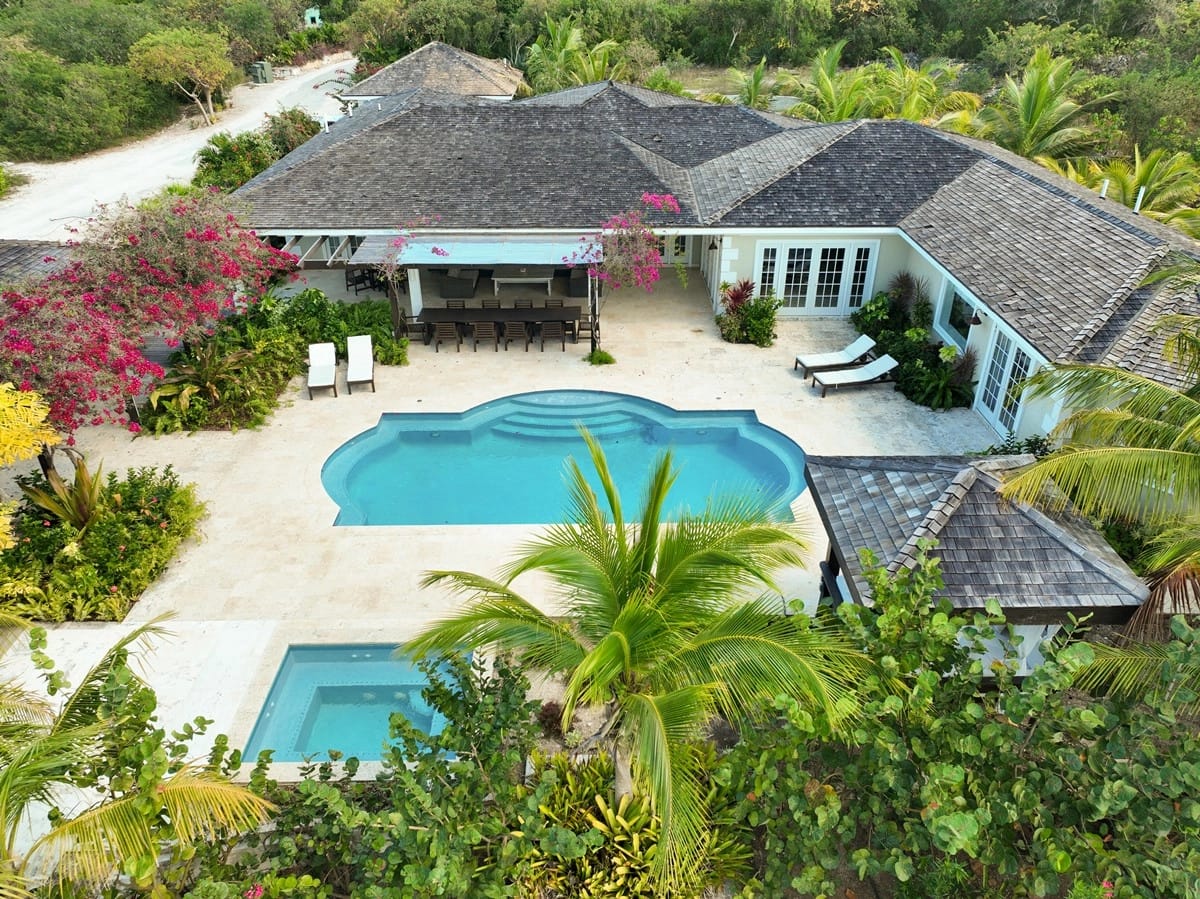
{"type": "Point", "coordinates": [61, 195]}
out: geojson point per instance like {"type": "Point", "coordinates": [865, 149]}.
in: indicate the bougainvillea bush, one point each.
{"type": "Point", "coordinates": [168, 268]}
{"type": "Point", "coordinates": [627, 250]}
{"type": "Point", "coordinates": [55, 571]}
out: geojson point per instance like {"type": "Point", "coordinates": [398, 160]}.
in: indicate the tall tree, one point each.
{"type": "Point", "coordinates": [1036, 117]}
{"type": "Point", "coordinates": [652, 628]}
{"type": "Point", "coordinates": [103, 738]}
{"type": "Point", "coordinates": [195, 62]}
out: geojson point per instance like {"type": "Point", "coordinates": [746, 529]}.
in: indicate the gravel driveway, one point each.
{"type": "Point", "coordinates": [61, 195]}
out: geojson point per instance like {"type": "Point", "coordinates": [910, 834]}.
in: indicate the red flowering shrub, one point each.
{"type": "Point", "coordinates": [627, 250]}
{"type": "Point", "coordinates": [168, 268]}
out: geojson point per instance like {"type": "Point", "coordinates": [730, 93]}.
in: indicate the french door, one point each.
{"type": "Point", "coordinates": [999, 400]}
{"type": "Point", "coordinates": [816, 279]}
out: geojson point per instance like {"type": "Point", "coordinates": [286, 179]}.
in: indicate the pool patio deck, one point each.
{"type": "Point", "coordinates": [271, 570]}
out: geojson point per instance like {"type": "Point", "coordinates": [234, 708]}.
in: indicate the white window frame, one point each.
{"type": "Point", "coordinates": [941, 318]}
{"type": "Point", "coordinates": [994, 416]}
{"type": "Point", "coordinates": [816, 249]}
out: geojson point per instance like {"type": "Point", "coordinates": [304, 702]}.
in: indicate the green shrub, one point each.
{"type": "Point", "coordinates": [747, 318]}
{"type": "Point", "coordinates": [228, 161]}
{"type": "Point", "coordinates": [600, 357]}
{"type": "Point", "coordinates": [56, 572]}
{"type": "Point", "coordinates": [289, 128]}
{"type": "Point", "coordinates": [313, 317]}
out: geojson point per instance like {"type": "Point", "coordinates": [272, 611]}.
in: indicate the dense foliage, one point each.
{"type": "Point", "coordinates": [456, 815]}
{"type": "Point", "coordinates": [108, 795]}
{"type": "Point", "coordinates": [169, 267]}
{"type": "Point", "coordinates": [971, 783]}
{"type": "Point", "coordinates": [901, 321]}
{"type": "Point", "coordinates": [234, 377]}
{"type": "Point", "coordinates": [105, 544]}
{"type": "Point", "coordinates": [228, 161]}
{"type": "Point", "coordinates": [747, 316]}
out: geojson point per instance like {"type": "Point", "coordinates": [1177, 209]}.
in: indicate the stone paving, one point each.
{"type": "Point", "coordinates": [271, 570]}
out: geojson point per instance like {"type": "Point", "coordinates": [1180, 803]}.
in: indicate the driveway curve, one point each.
{"type": "Point", "coordinates": [60, 196]}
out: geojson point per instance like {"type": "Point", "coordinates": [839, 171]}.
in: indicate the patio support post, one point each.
{"type": "Point", "coordinates": [594, 311]}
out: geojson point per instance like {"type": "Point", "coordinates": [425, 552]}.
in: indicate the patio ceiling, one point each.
{"type": "Point", "coordinates": [473, 252]}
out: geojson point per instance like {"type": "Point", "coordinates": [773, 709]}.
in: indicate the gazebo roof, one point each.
{"type": "Point", "coordinates": [1039, 567]}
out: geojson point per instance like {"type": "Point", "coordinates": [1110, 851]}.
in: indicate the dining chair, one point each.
{"type": "Point", "coordinates": [516, 331]}
{"type": "Point", "coordinates": [554, 330]}
{"type": "Point", "coordinates": [491, 303]}
{"type": "Point", "coordinates": [485, 331]}
{"type": "Point", "coordinates": [554, 303]}
{"type": "Point", "coordinates": [456, 304]}
{"type": "Point", "coordinates": [446, 331]}
{"type": "Point", "coordinates": [523, 304]}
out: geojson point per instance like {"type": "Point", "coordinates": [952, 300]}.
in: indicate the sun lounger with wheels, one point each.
{"type": "Point", "coordinates": [875, 371]}
{"type": "Point", "coordinates": [360, 365]}
{"type": "Point", "coordinates": [322, 367]}
{"type": "Point", "coordinates": [851, 355]}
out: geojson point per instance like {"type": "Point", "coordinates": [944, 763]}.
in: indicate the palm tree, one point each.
{"type": "Point", "coordinates": [600, 62]}
{"type": "Point", "coordinates": [650, 630]}
{"type": "Point", "coordinates": [830, 95]}
{"type": "Point", "coordinates": [923, 94]}
{"type": "Point", "coordinates": [43, 751]}
{"type": "Point", "coordinates": [551, 60]}
{"type": "Point", "coordinates": [1130, 453]}
{"type": "Point", "coordinates": [1036, 116]}
{"type": "Point", "coordinates": [753, 89]}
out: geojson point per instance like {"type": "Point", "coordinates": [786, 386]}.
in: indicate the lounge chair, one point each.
{"type": "Point", "coordinates": [875, 371]}
{"type": "Point", "coordinates": [485, 331]}
{"type": "Point", "coordinates": [360, 365]}
{"type": "Point", "coordinates": [444, 332]}
{"type": "Point", "coordinates": [851, 355]}
{"type": "Point", "coordinates": [553, 331]}
{"type": "Point", "coordinates": [322, 367]}
{"type": "Point", "coordinates": [516, 331]}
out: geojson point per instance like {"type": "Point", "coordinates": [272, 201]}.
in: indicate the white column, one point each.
{"type": "Point", "coordinates": [414, 290]}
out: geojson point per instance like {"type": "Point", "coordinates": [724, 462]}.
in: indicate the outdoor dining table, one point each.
{"type": "Point", "coordinates": [433, 314]}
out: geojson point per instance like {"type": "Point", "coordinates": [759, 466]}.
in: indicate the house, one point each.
{"type": "Point", "coordinates": [21, 260]}
{"type": "Point", "coordinates": [1039, 567]}
{"type": "Point", "coordinates": [440, 67]}
{"type": "Point", "coordinates": [1023, 267]}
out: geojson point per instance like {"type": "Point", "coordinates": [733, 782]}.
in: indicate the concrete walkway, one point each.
{"type": "Point", "coordinates": [271, 569]}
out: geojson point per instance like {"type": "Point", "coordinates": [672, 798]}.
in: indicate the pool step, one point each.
{"type": "Point", "coordinates": [536, 424]}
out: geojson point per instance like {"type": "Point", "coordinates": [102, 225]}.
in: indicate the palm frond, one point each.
{"type": "Point", "coordinates": [662, 731]}
{"type": "Point", "coordinates": [82, 706]}
{"type": "Point", "coordinates": [1141, 670]}
{"type": "Point", "coordinates": [1172, 563]}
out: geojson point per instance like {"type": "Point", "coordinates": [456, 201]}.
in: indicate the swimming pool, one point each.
{"type": "Point", "coordinates": [503, 462]}
{"type": "Point", "coordinates": [339, 697]}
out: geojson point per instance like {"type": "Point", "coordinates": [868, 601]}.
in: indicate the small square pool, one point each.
{"type": "Point", "coordinates": [339, 697]}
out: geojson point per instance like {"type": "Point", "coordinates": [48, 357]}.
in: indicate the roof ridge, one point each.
{"type": "Point", "coordinates": [668, 171]}
{"type": "Point", "coordinates": [783, 173]}
{"type": "Point", "coordinates": [936, 519]}
{"type": "Point", "coordinates": [1109, 307]}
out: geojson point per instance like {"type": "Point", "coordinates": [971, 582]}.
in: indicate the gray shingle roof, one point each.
{"type": "Point", "coordinates": [1037, 567]}
{"type": "Point", "coordinates": [441, 67]}
{"type": "Point", "coordinates": [1138, 346]}
{"type": "Point", "coordinates": [22, 259]}
{"type": "Point", "coordinates": [1046, 255]}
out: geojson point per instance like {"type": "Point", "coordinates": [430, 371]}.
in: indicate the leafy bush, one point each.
{"type": "Point", "coordinates": [1016, 787]}
{"type": "Point", "coordinates": [747, 318]}
{"type": "Point", "coordinates": [228, 161]}
{"type": "Point", "coordinates": [57, 572]}
{"type": "Point", "coordinates": [306, 44]}
{"type": "Point", "coordinates": [600, 357]}
{"type": "Point", "coordinates": [289, 128]}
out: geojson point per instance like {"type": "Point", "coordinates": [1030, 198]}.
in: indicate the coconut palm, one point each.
{"type": "Point", "coordinates": [1171, 182]}
{"type": "Point", "coordinates": [1130, 453]}
{"type": "Point", "coordinates": [1036, 116]}
{"type": "Point", "coordinates": [551, 60]}
{"type": "Point", "coordinates": [652, 629]}
{"type": "Point", "coordinates": [753, 88]}
{"type": "Point", "coordinates": [829, 94]}
{"type": "Point", "coordinates": [1141, 670]}
{"type": "Point", "coordinates": [44, 751]}
{"type": "Point", "coordinates": [923, 94]}
{"type": "Point", "coordinates": [600, 62]}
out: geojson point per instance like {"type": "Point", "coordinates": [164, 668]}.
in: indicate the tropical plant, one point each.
{"type": "Point", "coordinates": [654, 630]}
{"type": "Point", "coordinates": [923, 94]}
{"type": "Point", "coordinates": [103, 739]}
{"type": "Point", "coordinates": [228, 161]}
{"type": "Point", "coordinates": [76, 504]}
{"type": "Point", "coordinates": [552, 62]}
{"type": "Point", "coordinates": [1036, 117]}
{"type": "Point", "coordinates": [23, 428]}
{"type": "Point", "coordinates": [830, 94]}
{"type": "Point", "coordinates": [753, 89]}
{"type": "Point", "coordinates": [1129, 454]}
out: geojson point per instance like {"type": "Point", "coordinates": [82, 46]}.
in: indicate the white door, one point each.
{"type": "Point", "coordinates": [999, 399]}
{"type": "Point", "coordinates": [673, 249]}
{"type": "Point", "coordinates": [815, 279]}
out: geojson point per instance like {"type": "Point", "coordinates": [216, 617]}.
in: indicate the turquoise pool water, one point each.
{"type": "Point", "coordinates": [339, 697]}
{"type": "Point", "coordinates": [503, 462]}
